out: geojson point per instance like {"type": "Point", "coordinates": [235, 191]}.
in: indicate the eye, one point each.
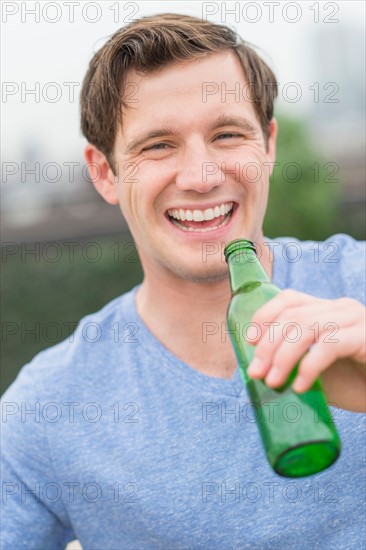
{"type": "Point", "coordinates": [228, 135]}
{"type": "Point", "coordinates": [155, 147]}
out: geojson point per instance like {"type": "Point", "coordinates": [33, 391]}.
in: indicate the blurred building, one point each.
{"type": "Point", "coordinates": [45, 200]}
{"type": "Point", "coordinates": [337, 119]}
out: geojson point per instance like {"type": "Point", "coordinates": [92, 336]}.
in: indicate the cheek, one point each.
{"type": "Point", "coordinates": [253, 174]}
{"type": "Point", "coordinates": [136, 201]}
{"type": "Point", "coordinates": [246, 164]}
{"type": "Point", "coordinates": [128, 189]}
{"type": "Point", "coordinates": [149, 185]}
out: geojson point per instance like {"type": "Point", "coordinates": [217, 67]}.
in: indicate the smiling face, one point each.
{"type": "Point", "coordinates": [193, 170]}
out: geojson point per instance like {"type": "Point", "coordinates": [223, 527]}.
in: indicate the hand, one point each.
{"type": "Point", "coordinates": [334, 329]}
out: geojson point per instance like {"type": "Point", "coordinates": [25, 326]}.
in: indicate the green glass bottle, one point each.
{"type": "Point", "coordinates": [297, 430]}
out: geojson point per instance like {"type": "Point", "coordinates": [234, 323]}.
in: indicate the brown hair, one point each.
{"type": "Point", "coordinates": [149, 45]}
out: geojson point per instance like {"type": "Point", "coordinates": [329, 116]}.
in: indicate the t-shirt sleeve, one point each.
{"type": "Point", "coordinates": [331, 269]}
{"type": "Point", "coordinates": [352, 268]}
{"type": "Point", "coordinates": [33, 514]}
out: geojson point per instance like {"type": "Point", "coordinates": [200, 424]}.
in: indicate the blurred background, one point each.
{"type": "Point", "coordinates": [66, 253]}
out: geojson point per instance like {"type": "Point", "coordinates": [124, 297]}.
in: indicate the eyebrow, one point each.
{"type": "Point", "coordinates": [222, 120]}
{"type": "Point", "coordinates": [225, 120]}
{"type": "Point", "coordinates": [160, 132]}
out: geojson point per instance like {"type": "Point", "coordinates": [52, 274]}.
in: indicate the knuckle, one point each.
{"type": "Point", "coordinates": [288, 320]}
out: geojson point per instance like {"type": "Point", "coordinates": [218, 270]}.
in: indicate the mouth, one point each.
{"type": "Point", "coordinates": [202, 220]}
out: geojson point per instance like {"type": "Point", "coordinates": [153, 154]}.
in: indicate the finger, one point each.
{"type": "Point", "coordinates": [314, 324]}
{"type": "Point", "coordinates": [319, 316]}
{"type": "Point", "coordinates": [322, 355]}
{"type": "Point", "coordinates": [288, 352]}
{"type": "Point", "coordinates": [285, 341]}
{"type": "Point", "coordinates": [284, 301]}
{"type": "Point", "coordinates": [277, 352]}
{"type": "Point", "coordinates": [315, 361]}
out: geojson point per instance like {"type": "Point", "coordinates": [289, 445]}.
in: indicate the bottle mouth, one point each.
{"type": "Point", "coordinates": [237, 246]}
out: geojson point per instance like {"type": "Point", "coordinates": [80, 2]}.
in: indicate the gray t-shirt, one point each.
{"type": "Point", "coordinates": [109, 438]}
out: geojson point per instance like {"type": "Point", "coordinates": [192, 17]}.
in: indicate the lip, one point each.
{"type": "Point", "coordinates": [198, 235]}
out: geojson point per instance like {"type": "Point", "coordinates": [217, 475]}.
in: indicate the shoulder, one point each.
{"type": "Point", "coordinates": [52, 392]}
{"type": "Point", "coordinates": [339, 248]}
{"type": "Point", "coordinates": [331, 269]}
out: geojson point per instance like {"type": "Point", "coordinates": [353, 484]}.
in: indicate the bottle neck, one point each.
{"type": "Point", "coordinates": [245, 267]}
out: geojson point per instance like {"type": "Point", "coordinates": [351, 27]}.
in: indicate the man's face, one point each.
{"type": "Point", "coordinates": [182, 154]}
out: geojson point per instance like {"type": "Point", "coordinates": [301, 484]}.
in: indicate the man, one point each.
{"type": "Point", "coordinates": [146, 440]}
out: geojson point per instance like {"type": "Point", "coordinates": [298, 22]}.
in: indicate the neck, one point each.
{"type": "Point", "coordinates": [187, 316]}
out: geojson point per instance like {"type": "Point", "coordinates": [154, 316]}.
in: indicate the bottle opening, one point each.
{"type": "Point", "coordinates": [238, 245]}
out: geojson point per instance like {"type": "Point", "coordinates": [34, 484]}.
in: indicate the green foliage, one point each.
{"type": "Point", "coordinates": [305, 190]}
{"type": "Point", "coordinates": [42, 301]}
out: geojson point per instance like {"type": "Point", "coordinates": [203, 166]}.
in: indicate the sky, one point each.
{"type": "Point", "coordinates": [46, 47]}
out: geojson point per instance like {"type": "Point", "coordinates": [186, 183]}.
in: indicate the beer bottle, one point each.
{"type": "Point", "coordinates": [297, 430]}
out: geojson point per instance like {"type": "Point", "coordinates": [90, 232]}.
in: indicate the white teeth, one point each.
{"type": "Point", "coordinates": [201, 215]}
{"type": "Point", "coordinates": [209, 214]}
{"type": "Point", "coordinates": [198, 216]}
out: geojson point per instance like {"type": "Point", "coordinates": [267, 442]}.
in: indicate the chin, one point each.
{"type": "Point", "coordinates": [208, 274]}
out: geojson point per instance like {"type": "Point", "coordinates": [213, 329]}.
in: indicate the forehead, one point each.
{"type": "Point", "coordinates": [221, 68]}
{"type": "Point", "coordinates": [187, 92]}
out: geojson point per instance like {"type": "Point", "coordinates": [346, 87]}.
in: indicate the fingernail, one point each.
{"type": "Point", "coordinates": [252, 334]}
{"type": "Point", "coordinates": [273, 375]}
{"type": "Point", "coordinates": [255, 368]}
{"type": "Point", "coordinates": [299, 384]}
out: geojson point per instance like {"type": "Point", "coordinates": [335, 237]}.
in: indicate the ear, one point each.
{"type": "Point", "coordinates": [271, 153]}
{"type": "Point", "coordinates": [101, 174]}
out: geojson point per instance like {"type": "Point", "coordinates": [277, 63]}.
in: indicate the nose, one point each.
{"type": "Point", "coordinates": [198, 170]}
